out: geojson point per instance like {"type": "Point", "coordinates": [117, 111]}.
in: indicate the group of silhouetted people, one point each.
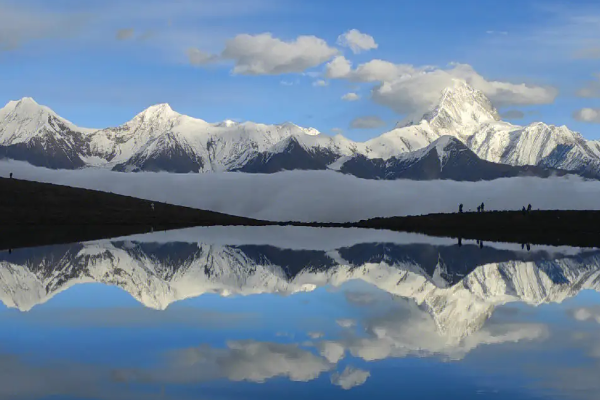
{"type": "Point", "coordinates": [481, 208]}
{"type": "Point", "coordinates": [526, 210]}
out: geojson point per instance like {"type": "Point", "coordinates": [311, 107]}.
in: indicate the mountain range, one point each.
{"type": "Point", "coordinates": [458, 287]}
{"type": "Point", "coordinates": [462, 138]}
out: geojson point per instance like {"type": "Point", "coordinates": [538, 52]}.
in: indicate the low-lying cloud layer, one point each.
{"type": "Point", "coordinates": [323, 195]}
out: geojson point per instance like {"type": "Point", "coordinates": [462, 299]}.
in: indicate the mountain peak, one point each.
{"type": "Point", "coordinates": [460, 105]}
{"type": "Point", "coordinates": [163, 109]}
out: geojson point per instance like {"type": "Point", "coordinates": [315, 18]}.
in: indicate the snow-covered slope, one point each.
{"type": "Point", "coordinates": [459, 287]}
{"type": "Point", "coordinates": [160, 139]}
{"type": "Point", "coordinates": [445, 158]}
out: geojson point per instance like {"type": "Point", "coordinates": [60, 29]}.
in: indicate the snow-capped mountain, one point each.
{"type": "Point", "coordinates": [160, 139]}
{"type": "Point", "coordinates": [445, 158]}
{"type": "Point", "coordinates": [459, 287]}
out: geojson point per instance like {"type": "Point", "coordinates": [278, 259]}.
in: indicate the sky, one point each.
{"type": "Point", "coordinates": [350, 67]}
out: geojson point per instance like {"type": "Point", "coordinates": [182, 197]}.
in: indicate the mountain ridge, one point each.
{"type": "Point", "coordinates": [160, 139]}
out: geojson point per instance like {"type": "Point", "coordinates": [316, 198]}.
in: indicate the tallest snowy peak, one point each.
{"type": "Point", "coordinates": [460, 105]}
{"type": "Point", "coordinates": [158, 110]}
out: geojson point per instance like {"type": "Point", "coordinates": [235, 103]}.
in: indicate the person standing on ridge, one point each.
{"type": "Point", "coordinates": [529, 208]}
{"type": "Point", "coordinates": [11, 175]}
{"type": "Point", "coordinates": [460, 208]}
{"type": "Point", "coordinates": [482, 207]}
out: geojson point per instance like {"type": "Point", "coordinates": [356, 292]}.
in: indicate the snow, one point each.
{"type": "Point", "coordinates": [462, 112]}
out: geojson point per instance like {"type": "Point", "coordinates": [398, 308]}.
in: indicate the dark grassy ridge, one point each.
{"type": "Point", "coordinates": [34, 213]}
{"type": "Point", "coordinates": [572, 228]}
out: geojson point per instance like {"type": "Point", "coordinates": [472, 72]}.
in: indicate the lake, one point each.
{"type": "Point", "coordinates": [296, 313]}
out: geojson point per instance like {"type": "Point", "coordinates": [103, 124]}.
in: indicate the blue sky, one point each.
{"type": "Point", "coordinates": [98, 63]}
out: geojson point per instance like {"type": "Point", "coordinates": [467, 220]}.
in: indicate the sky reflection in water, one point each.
{"type": "Point", "coordinates": [274, 312]}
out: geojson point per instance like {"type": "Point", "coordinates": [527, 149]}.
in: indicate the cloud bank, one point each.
{"type": "Point", "coordinates": [322, 195]}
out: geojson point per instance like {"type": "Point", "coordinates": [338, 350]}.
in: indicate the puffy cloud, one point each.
{"type": "Point", "coordinates": [198, 57]}
{"type": "Point", "coordinates": [513, 114]}
{"type": "Point", "coordinates": [315, 335]}
{"type": "Point", "coordinates": [382, 71]}
{"type": "Point", "coordinates": [245, 360]}
{"type": "Point", "coordinates": [124, 34]}
{"type": "Point", "coordinates": [587, 314]}
{"type": "Point", "coordinates": [265, 55]}
{"type": "Point", "coordinates": [346, 322]}
{"type": "Point", "coordinates": [332, 351]}
{"type": "Point", "coordinates": [320, 83]}
{"type": "Point", "coordinates": [372, 71]}
{"type": "Point", "coordinates": [350, 97]}
{"type": "Point", "coordinates": [591, 115]}
{"type": "Point", "coordinates": [357, 41]}
{"type": "Point", "coordinates": [418, 93]}
{"type": "Point", "coordinates": [368, 122]}
{"type": "Point", "coordinates": [351, 377]}
{"type": "Point", "coordinates": [339, 67]}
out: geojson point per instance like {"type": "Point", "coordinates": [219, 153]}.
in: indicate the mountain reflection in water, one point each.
{"type": "Point", "coordinates": [267, 308]}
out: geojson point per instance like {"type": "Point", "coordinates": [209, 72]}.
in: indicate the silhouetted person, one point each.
{"type": "Point", "coordinates": [9, 251]}
{"type": "Point", "coordinates": [522, 246]}
{"type": "Point", "coordinates": [478, 209]}
{"type": "Point", "coordinates": [482, 207]}
{"type": "Point", "coordinates": [481, 244]}
{"type": "Point", "coordinates": [529, 208]}
{"type": "Point", "coordinates": [524, 211]}
{"type": "Point", "coordinates": [11, 175]}
{"type": "Point", "coordinates": [460, 208]}
{"type": "Point", "coordinates": [528, 247]}
{"type": "Point", "coordinates": [459, 242]}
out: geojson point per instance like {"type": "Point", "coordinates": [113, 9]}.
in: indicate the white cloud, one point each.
{"type": "Point", "coordinates": [346, 322]}
{"type": "Point", "coordinates": [357, 41]}
{"type": "Point", "coordinates": [337, 131]}
{"type": "Point", "coordinates": [350, 97]}
{"type": "Point", "coordinates": [351, 377]}
{"type": "Point", "coordinates": [320, 83]}
{"type": "Point", "coordinates": [587, 314]}
{"type": "Point", "coordinates": [124, 34]}
{"type": "Point", "coordinates": [198, 57]}
{"type": "Point", "coordinates": [339, 67]}
{"type": "Point", "coordinates": [368, 122]}
{"type": "Point", "coordinates": [315, 335]}
{"type": "Point", "coordinates": [372, 71]}
{"type": "Point", "coordinates": [249, 360]}
{"type": "Point", "coordinates": [502, 33]}
{"type": "Point", "coordinates": [287, 83]}
{"type": "Point", "coordinates": [591, 115]}
{"type": "Point", "coordinates": [265, 55]}
{"type": "Point", "coordinates": [332, 351]}
{"type": "Point", "coordinates": [418, 93]}
{"type": "Point", "coordinates": [382, 71]}
{"type": "Point", "coordinates": [325, 196]}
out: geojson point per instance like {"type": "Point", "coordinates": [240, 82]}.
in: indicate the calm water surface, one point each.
{"type": "Point", "coordinates": [271, 313]}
